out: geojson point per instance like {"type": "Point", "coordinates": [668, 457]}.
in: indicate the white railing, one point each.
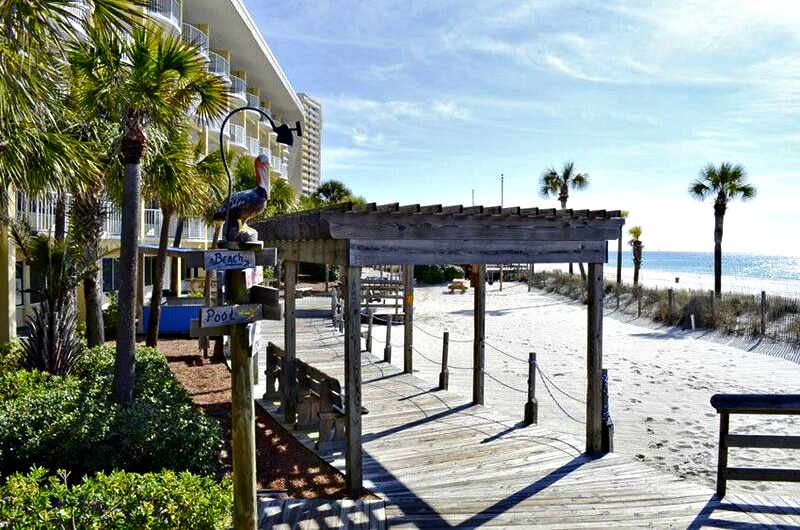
{"type": "Point", "coordinates": [252, 145]}
{"type": "Point", "coordinates": [152, 223]}
{"type": "Point", "coordinates": [238, 134]}
{"type": "Point", "coordinates": [275, 162]}
{"type": "Point", "coordinates": [253, 100]}
{"type": "Point", "coordinates": [195, 37]}
{"type": "Point", "coordinates": [40, 213]}
{"type": "Point", "coordinates": [217, 64]}
{"type": "Point", "coordinates": [238, 87]}
{"type": "Point", "coordinates": [170, 10]}
{"type": "Point", "coordinates": [113, 225]}
{"type": "Point", "coordinates": [265, 150]}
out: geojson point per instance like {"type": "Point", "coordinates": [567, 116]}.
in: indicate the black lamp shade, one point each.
{"type": "Point", "coordinates": [285, 136]}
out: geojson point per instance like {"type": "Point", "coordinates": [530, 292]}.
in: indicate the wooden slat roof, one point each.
{"type": "Point", "coordinates": [436, 222]}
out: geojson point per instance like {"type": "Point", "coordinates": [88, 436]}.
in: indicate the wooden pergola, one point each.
{"type": "Point", "coordinates": [354, 236]}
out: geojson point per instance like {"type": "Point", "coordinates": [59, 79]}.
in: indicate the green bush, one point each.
{"type": "Point", "coordinates": [69, 422]}
{"type": "Point", "coordinates": [436, 274]}
{"type": "Point", "coordinates": [111, 318]}
{"type": "Point", "coordinates": [119, 500]}
{"type": "Point", "coordinates": [11, 356]}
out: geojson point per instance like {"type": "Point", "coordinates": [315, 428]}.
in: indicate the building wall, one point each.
{"type": "Point", "coordinates": [312, 145]}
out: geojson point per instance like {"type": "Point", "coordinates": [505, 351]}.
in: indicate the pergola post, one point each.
{"type": "Point", "coordinates": [352, 376]}
{"type": "Point", "coordinates": [408, 318]}
{"type": "Point", "coordinates": [594, 360]}
{"type": "Point", "coordinates": [480, 335]}
{"type": "Point", "coordinates": [290, 343]}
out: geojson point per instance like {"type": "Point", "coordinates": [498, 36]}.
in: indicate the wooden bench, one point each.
{"type": "Point", "coordinates": [727, 404]}
{"type": "Point", "coordinates": [320, 400]}
{"type": "Point", "coordinates": [457, 285]}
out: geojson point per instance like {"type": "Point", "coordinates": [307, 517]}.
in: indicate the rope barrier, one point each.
{"type": "Point", "coordinates": [567, 414]}
{"type": "Point", "coordinates": [501, 383]}
{"type": "Point", "coordinates": [495, 348]}
{"type": "Point", "coordinates": [543, 375]}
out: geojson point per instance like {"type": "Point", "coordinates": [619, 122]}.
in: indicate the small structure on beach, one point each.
{"type": "Point", "coordinates": [355, 236]}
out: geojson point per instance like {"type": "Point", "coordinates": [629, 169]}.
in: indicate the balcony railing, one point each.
{"type": "Point", "coordinates": [238, 87]}
{"type": "Point", "coordinates": [252, 145]}
{"type": "Point", "coordinates": [169, 10]}
{"type": "Point", "coordinates": [217, 64]}
{"type": "Point", "coordinates": [265, 150]}
{"type": "Point", "coordinates": [195, 37]}
{"type": "Point", "coordinates": [40, 213]}
{"type": "Point", "coordinates": [238, 135]}
{"type": "Point", "coordinates": [253, 100]}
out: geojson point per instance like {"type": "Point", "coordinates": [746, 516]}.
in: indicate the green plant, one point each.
{"type": "Point", "coordinates": [111, 317]}
{"type": "Point", "coordinates": [69, 422]}
{"type": "Point", "coordinates": [436, 274]}
{"type": "Point", "coordinates": [316, 272]}
{"type": "Point", "coordinates": [120, 500]}
{"type": "Point", "coordinates": [10, 356]}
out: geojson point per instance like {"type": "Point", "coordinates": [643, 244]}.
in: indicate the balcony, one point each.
{"type": "Point", "coordinates": [253, 101]}
{"type": "Point", "coordinates": [238, 87]}
{"type": "Point", "coordinates": [195, 37]}
{"type": "Point", "coordinates": [168, 11]}
{"type": "Point", "coordinates": [40, 213]}
{"type": "Point", "coordinates": [238, 135]}
{"type": "Point", "coordinates": [252, 145]}
{"type": "Point", "coordinates": [217, 64]}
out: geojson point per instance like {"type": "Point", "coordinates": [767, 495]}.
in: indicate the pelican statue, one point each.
{"type": "Point", "coordinates": [244, 205]}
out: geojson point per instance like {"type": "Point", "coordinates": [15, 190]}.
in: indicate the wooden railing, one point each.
{"type": "Point", "coordinates": [320, 398]}
{"type": "Point", "coordinates": [727, 404]}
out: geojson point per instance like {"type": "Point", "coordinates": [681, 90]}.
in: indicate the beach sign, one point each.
{"type": "Point", "coordinates": [221, 260]}
{"type": "Point", "coordinates": [231, 314]}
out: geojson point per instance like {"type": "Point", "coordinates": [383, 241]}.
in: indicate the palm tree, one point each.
{"type": "Point", "coordinates": [552, 183]}
{"type": "Point", "coordinates": [636, 246]}
{"type": "Point", "coordinates": [332, 192]}
{"type": "Point", "coordinates": [172, 178]}
{"type": "Point", "coordinates": [144, 84]}
{"type": "Point", "coordinates": [37, 150]}
{"type": "Point", "coordinates": [726, 183]}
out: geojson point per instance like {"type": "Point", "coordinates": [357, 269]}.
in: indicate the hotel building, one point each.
{"type": "Point", "coordinates": [230, 40]}
{"type": "Point", "coordinates": [312, 145]}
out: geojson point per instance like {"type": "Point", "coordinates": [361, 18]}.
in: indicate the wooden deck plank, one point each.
{"type": "Point", "coordinates": [440, 462]}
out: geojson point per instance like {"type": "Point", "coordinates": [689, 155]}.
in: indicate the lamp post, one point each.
{"type": "Point", "coordinates": [245, 513]}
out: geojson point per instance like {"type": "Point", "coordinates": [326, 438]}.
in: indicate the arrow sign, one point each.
{"type": "Point", "coordinates": [221, 260]}
{"type": "Point", "coordinates": [254, 276]}
{"type": "Point", "coordinates": [231, 314]}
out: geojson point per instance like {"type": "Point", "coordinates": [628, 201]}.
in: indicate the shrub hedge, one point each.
{"type": "Point", "coordinates": [69, 422]}
{"type": "Point", "coordinates": [435, 274]}
{"type": "Point", "coordinates": [121, 500]}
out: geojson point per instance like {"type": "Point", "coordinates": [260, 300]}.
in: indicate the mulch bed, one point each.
{"type": "Point", "coordinates": [282, 462]}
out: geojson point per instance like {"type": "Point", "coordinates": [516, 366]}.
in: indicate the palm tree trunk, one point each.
{"type": "Point", "coordinates": [635, 275]}
{"type": "Point", "coordinates": [158, 280]}
{"type": "Point", "coordinates": [125, 362]}
{"type": "Point", "coordinates": [60, 231]}
{"type": "Point", "coordinates": [719, 217]}
{"type": "Point", "coordinates": [619, 260]}
{"type": "Point", "coordinates": [174, 273]}
{"type": "Point", "coordinates": [93, 295]}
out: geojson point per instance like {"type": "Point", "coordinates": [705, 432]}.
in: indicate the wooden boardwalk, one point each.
{"type": "Point", "coordinates": [440, 462]}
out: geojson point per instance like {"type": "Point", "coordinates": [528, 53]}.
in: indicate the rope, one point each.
{"type": "Point", "coordinates": [544, 376]}
{"type": "Point", "coordinates": [496, 380]}
{"type": "Point", "coordinates": [567, 414]}
{"type": "Point", "coordinates": [495, 348]}
{"type": "Point", "coordinates": [449, 366]}
{"type": "Point", "coordinates": [439, 336]}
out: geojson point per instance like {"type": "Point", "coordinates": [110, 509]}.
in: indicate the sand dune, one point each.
{"type": "Point", "coordinates": [661, 380]}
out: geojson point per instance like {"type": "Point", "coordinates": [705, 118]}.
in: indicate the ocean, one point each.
{"type": "Point", "coordinates": [778, 275]}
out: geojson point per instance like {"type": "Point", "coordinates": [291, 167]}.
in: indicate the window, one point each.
{"type": "Point", "coordinates": [110, 274]}
{"type": "Point", "coordinates": [20, 276]}
{"type": "Point", "coordinates": [37, 284]}
{"type": "Point", "coordinates": [149, 269]}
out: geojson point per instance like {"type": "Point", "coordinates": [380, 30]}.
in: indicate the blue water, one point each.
{"type": "Point", "coordinates": [779, 268]}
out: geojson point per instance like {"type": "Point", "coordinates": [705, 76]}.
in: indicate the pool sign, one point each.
{"type": "Point", "coordinates": [220, 260]}
{"type": "Point", "coordinates": [231, 314]}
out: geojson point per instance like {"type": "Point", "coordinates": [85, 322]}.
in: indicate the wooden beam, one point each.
{"type": "Point", "coordinates": [367, 252]}
{"type": "Point", "coordinates": [350, 225]}
{"type": "Point", "coordinates": [324, 251]}
{"type": "Point", "coordinates": [352, 376]}
{"type": "Point", "coordinates": [289, 371]}
{"type": "Point", "coordinates": [478, 343]}
{"type": "Point", "coordinates": [408, 319]}
{"type": "Point", "coordinates": [243, 414]}
{"type": "Point", "coordinates": [757, 403]}
{"type": "Point", "coordinates": [594, 360]}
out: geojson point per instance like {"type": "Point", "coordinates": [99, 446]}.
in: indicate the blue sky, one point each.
{"type": "Point", "coordinates": [424, 101]}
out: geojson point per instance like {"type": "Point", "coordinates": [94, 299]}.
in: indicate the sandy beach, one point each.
{"type": "Point", "coordinates": [661, 379]}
